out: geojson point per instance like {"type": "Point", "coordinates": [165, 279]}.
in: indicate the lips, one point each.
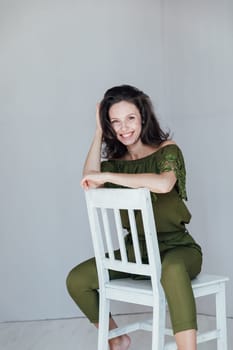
{"type": "Point", "coordinates": [126, 135]}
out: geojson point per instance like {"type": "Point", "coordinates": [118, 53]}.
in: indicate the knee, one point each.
{"type": "Point", "coordinates": [69, 282]}
{"type": "Point", "coordinates": [73, 282]}
{"type": "Point", "coordinates": [81, 278]}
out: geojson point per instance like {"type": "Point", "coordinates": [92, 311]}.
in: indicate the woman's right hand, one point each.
{"type": "Point", "coordinates": [94, 179]}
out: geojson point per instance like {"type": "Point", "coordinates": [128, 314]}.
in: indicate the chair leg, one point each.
{"type": "Point", "coordinates": [158, 327]}
{"type": "Point", "coordinates": [104, 310]}
{"type": "Point", "coordinates": [221, 320]}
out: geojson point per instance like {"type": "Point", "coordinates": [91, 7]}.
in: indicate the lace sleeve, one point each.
{"type": "Point", "coordinates": [173, 160]}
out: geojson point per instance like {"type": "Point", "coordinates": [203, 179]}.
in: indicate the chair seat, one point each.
{"type": "Point", "coordinates": [202, 280]}
{"type": "Point", "coordinates": [206, 284]}
{"type": "Point", "coordinates": [130, 290]}
{"type": "Point", "coordinates": [128, 283]}
{"type": "Point", "coordinates": [124, 288]}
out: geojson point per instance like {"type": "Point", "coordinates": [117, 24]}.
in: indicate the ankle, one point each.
{"type": "Point", "coordinates": [120, 343]}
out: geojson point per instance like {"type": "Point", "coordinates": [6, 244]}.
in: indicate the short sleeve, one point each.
{"type": "Point", "coordinates": [172, 159]}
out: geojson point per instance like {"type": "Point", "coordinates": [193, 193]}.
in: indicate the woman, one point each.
{"type": "Point", "coordinates": [140, 154]}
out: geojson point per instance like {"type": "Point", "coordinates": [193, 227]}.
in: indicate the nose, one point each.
{"type": "Point", "coordinates": [124, 126]}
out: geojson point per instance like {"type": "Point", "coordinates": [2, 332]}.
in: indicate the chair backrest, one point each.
{"type": "Point", "coordinates": [104, 210]}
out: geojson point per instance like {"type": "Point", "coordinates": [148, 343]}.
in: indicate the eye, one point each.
{"type": "Point", "coordinates": [114, 121]}
{"type": "Point", "coordinates": [131, 117]}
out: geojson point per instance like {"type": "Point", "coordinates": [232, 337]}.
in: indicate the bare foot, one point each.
{"type": "Point", "coordinates": [120, 343]}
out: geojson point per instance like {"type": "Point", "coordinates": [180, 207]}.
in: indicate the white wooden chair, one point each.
{"type": "Point", "coordinates": [105, 221]}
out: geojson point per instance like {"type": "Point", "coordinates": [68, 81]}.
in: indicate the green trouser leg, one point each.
{"type": "Point", "coordinates": [179, 266]}
{"type": "Point", "coordinates": [82, 284]}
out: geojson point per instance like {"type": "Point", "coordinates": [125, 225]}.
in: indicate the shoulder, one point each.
{"type": "Point", "coordinates": [170, 150]}
{"type": "Point", "coordinates": [167, 143]}
{"type": "Point", "coordinates": [168, 147]}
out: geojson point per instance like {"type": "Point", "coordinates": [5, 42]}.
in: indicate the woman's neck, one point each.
{"type": "Point", "coordinates": [139, 151]}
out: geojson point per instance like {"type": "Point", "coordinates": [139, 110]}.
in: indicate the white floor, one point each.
{"type": "Point", "coordinates": [79, 334]}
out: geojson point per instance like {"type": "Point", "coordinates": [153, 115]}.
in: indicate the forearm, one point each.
{"type": "Point", "coordinates": [92, 163]}
{"type": "Point", "coordinates": [158, 183]}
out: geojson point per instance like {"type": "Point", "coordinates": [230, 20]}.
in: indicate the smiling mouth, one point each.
{"type": "Point", "coordinates": [127, 134]}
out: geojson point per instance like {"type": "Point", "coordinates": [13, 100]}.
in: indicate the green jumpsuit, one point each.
{"type": "Point", "coordinates": [181, 256]}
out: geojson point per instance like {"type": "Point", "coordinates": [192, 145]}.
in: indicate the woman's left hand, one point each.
{"type": "Point", "coordinates": [93, 180]}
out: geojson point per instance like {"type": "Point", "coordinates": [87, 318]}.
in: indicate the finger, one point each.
{"type": "Point", "coordinates": [84, 184]}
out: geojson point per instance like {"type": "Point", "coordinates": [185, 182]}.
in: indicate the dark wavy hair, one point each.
{"type": "Point", "coordinates": [151, 133]}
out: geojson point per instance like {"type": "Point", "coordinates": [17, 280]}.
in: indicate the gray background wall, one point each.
{"type": "Point", "coordinates": [57, 58]}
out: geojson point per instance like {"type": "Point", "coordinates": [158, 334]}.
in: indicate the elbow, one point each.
{"type": "Point", "coordinates": [166, 189]}
{"type": "Point", "coordinates": [162, 189]}
{"type": "Point", "coordinates": [167, 183]}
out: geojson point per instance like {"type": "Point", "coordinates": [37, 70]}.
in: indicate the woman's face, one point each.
{"type": "Point", "coordinates": [126, 121]}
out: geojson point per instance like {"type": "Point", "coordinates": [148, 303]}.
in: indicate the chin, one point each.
{"type": "Point", "coordinates": [127, 142]}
